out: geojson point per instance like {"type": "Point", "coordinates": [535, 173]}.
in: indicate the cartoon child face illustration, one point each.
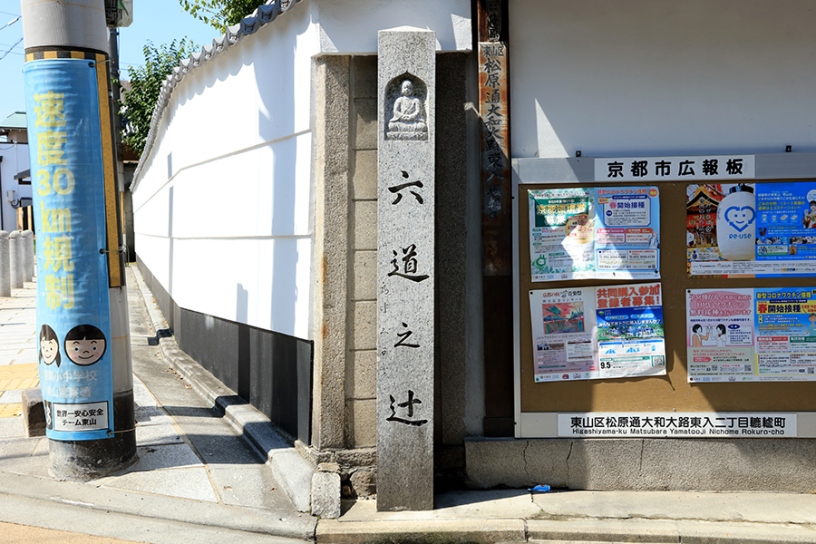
{"type": "Point", "coordinates": [85, 344]}
{"type": "Point", "coordinates": [49, 346]}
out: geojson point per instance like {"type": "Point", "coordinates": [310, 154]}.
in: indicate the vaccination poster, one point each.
{"type": "Point", "coordinates": [607, 233]}
{"type": "Point", "coordinates": [592, 333]}
{"type": "Point", "coordinates": [752, 229]}
{"type": "Point", "coordinates": [751, 335]}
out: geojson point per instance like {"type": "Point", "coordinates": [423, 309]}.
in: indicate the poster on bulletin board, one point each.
{"type": "Point", "coordinates": [751, 335]}
{"type": "Point", "coordinates": [753, 229]}
{"type": "Point", "coordinates": [588, 333]}
{"type": "Point", "coordinates": [594, 232]}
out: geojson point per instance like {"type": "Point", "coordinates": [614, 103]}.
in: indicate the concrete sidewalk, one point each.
{"type": "Point", "coordinates": [197, 474]}
{"type": "Point", "coordinates": [212, 469]}
{"type": "Point", "coordinates": [587, 517]}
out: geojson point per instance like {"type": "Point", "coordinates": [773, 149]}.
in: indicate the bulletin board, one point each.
{"type": "Point", "coordinates": [671, 392]}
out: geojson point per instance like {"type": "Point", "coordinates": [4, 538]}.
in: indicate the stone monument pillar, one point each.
{"type": "Point", "coordinates": [405, 269]}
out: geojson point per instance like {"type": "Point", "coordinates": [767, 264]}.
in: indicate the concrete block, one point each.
{"type": "Point", "coordinates": [365, 276]}
{"type": "Point", "coordinates": [364, 235]}
{"type": "Point", "coordinates": [365, 115]}
{"type": "Point", "coordinates": [33, 412]}
{"type": "Point", "coordinates": [364, 175]}
{"type": "Point", "coordinates": [362, 421]}
{"type": "Point", "coordinates": [785, 465]}
{"type": "Point", "coordinates": [364, 335]}
{"type": "Point", "coordinates": [777, 465]}
{"type": "Point", "coordinates": [363, 382]}
{"type": "Point", "coordinates": [16, 259]}
{"type": "Point", "coordinates": [495, 462]}
{"type": "Point", "coordinates": [5, 265]}
{"type": "Point", "coordinates": [364, 76]}
{"type": "Point", "coordinates": [588, 464]}
{"type": "Point", "coordinates": [326, 494]}
{"type": "Point", "coordinates": [364, 482]}
{"type": "Point", "coordinates": [27, 238]}
{"type": "Point", "coordinates": [358, 457]}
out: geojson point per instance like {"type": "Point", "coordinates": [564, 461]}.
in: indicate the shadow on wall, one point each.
{"type": "Point", "coordinates": [660, 78]}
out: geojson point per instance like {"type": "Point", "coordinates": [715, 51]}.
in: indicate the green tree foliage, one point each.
{"type": "Point", "coordinates": [139, 100]}
{"type": "Point", "coordinates": [220, 14]}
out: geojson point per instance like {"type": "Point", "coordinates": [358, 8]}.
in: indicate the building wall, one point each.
{"type": "Point", "coordinates": [222, 201]}
{"type": "Point", "coordinates": [255, 215]}
{"type": "Point", "coordinates": [658, 77]}
{"type": "Point", "coordinates": [351, 26]}
{"type": "Point", "coordinates": [222, 217]}
{"type": "Point", "coordinates": [14, 160]}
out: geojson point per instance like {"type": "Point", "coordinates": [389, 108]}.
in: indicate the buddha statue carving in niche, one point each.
{"type": "Point", "coordinates": [408, 120]}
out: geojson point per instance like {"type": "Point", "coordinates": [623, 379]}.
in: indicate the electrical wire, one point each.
{"type": "Point", "coordinates": [12, 47]}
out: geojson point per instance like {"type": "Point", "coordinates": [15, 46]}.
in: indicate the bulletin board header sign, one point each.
{"type": "Point", "coordinates": [690, 168]}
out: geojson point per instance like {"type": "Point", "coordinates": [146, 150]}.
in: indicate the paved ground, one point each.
{"type": "Point", "coordinates": [195, 473]}
{"type": "Point", "coordinates": [204, 476]}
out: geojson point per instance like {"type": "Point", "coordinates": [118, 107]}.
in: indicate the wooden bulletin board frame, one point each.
{"type": "Point", "coordinates": [538, 404]}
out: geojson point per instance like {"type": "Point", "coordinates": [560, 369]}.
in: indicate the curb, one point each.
{"type": "Point", "coordinates": [664, 531]}
{"type": "Point", "coordinates": [292, 471]}
{"type": "Point", "coordinates": [585, 531]}
{"type": "Point", "coordinates": [421, 531]}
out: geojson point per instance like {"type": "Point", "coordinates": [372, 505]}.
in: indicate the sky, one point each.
{"type": "Point", "coordinates": [160, 21]}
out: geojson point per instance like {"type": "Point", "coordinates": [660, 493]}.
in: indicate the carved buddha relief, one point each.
{"type": "Point", "coordinates": [406, 96]}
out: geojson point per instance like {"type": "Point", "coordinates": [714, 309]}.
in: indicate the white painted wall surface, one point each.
{"type": "Point", "coordinates": [15, 160]}
{"type": "Point", "coordinates": [222, 202]}
{"type": "Point", "coordinates": [661, 77]}
{"type": "Point", "coordinates": [351, 26]}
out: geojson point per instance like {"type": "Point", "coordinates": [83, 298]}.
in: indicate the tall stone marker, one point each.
{"type": "Point", "coordinates": [405, 269]}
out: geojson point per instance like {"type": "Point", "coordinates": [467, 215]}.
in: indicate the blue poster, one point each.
{"type": "Point", "coordinates": [786, 221]}
{"type": "Point", "coordinates": [73, 306]}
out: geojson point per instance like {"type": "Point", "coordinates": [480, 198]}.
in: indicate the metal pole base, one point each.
{"type": "Point", "coordinates": [90, 459]}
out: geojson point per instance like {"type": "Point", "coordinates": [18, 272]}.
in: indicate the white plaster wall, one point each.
{"type": "Point", "coordinates": [351, 26]}
{"type": "Point", "coordinates": [661, 77]}
{"type": "Point", "coordinates": [15, 160]}
{"type": "Point", "coordinates": [222, 203]}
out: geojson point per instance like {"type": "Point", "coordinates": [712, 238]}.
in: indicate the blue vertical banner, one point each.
{"type": "Point", "coordinates": [73, 305]}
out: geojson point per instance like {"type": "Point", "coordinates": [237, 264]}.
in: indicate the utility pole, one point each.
{"type": "Point", "coordinates": [83, 335]}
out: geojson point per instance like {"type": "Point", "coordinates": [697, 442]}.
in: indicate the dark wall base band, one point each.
{"type": "Point", "coordinates": [271, 371]}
